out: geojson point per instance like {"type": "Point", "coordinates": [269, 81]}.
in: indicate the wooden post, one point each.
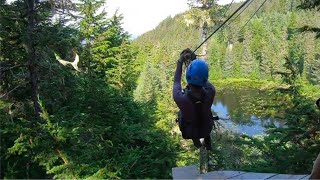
{"type": "Point", "coordinates": [203, 160]}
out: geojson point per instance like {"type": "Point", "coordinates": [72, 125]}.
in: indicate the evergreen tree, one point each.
{"type": "Point", "coordinates": [204, 14]}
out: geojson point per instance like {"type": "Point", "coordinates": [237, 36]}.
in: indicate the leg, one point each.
{"type": "Point", "coordinates": [207, 141]}
{"type": "Point", "coordinates": [196, 143]}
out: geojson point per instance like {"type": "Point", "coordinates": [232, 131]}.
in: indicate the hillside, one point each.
{"type": "Point", "coordinates": [269, 50]}
{"type": "Point", "coordinates": [257, 50]}
{"type": "Point", "coordinates": [80, 100]}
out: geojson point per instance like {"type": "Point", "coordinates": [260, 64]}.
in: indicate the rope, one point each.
{"type": "Point", "coordinates": [222, 25]}
{"type": "Point", "coordinates": [236, 11]}
{"type": "Point", "coordinates": [228, 8]}
{"type": "Point", "coordinates": [224, 14]}
{"type": "Point", "coordinates": [240, 13]}
{"type": "Point", "coordinates": [253, 15]}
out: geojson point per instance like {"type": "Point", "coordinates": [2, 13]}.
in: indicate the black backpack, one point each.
{"type": "Point", "coordinates": [202, 127]}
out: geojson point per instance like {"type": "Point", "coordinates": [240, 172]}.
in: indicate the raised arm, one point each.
{"type": "Point", "coordinates": [186, 54]}
{"type": "Point", "coordinates": [177, 88]}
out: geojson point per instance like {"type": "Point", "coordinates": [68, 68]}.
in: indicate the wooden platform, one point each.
{"type": "Point", "coordinates": [192, 172]}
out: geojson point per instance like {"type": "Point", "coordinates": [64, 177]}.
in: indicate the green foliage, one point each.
{"type": "Point", "coordinates": [310, 4]}
{"type": "Point", "coordinates": [287, 149]}
{"type": "Point", "coordinates": [116, 118]}
{"type": "Point", "coordinates": [260, 50]}
{"type": "Point", "coordinates": [90, 125]}
{"type": "Point", "coordinates": [269, 54]}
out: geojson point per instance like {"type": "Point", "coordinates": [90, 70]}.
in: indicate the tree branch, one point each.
{"type": "Point", "coordinates": [15, 88]}
{"type": "Point", "coordinates": [4, 69]}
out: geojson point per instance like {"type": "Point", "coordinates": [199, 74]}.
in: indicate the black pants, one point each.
{"type": "Point", "coordinates": [207, 142]}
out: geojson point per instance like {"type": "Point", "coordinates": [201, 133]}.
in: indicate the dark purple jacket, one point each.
{"type": "Point", "coordinates": [187, 106]}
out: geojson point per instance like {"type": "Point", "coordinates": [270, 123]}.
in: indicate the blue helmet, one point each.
{"type": "Point", "coordinates": [197, 72]}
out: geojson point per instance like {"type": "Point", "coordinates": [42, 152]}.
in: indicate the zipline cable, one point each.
{"type": "Point", "coordinates": [228, 8]}
{"type": "Point", "coordinates": [253, 15]}
{"type": "Point", "coordinates": [240, 13]}
{"type": "Point", "coordinates": [236, 11]}
{"type": "Point", "coordinates": [222, 25]}
{"type": "Point", "coordinates": [225, 12]}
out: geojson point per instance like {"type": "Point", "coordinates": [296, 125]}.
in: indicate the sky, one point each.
{"type": "Point", "coordinates": [141, 16]}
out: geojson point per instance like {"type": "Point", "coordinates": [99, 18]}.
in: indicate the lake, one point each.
{"type": "Point", "coordinates": [236, 107]}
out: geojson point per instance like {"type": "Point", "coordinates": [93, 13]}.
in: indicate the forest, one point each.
{"type": "Point", "coordinates": [80, 98]}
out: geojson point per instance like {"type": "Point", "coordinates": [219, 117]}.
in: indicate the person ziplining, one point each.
{"type": "Point", "coordinates": [195, 117]}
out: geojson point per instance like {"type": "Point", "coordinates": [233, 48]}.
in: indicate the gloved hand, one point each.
{"type": "Point", "coordinates": [187, 54]}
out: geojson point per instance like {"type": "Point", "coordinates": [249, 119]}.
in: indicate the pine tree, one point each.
{"type": "Point", "coordinates": [204, 14]}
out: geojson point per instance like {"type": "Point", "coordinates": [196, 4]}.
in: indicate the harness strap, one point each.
{"type": "Point", "coordinates": [198, 102]}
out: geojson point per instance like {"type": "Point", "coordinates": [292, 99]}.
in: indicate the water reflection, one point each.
{"type": "Point", "coordinates": [232, 105]}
